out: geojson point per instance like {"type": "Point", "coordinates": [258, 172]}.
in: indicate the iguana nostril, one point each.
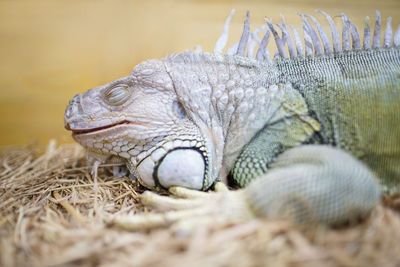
{"type": "Point", "coordinates": [72, 108]}
{"type": "Point", "coordinates": [68, 111]}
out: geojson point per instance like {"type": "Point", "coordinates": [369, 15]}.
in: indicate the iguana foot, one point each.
{"type": "Point", "coordinates": [189, 209]}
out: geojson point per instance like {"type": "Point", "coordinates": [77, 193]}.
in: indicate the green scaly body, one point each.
{"type": "Point", "coordinates": [355, 98]}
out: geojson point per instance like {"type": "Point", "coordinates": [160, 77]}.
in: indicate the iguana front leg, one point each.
{"type": "Point", "coordinates": [290, 125]}
{"type": "Point", "coordinates": [307, 184]}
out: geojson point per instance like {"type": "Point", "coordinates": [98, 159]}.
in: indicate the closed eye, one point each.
{"type": "Point", "coordinates": [117, 95]}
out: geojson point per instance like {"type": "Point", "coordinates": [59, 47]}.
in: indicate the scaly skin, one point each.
{"type": "Point", "coordinates": [192, 118]}
{"type": "Point", "coordinates": [352, 104]}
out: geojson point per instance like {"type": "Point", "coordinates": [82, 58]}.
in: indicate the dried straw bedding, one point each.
{"type": "Point", "coordinates": [54, 214]}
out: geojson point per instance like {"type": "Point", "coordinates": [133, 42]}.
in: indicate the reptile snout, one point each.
{"type": "Point", "coordinates": [71, 111]}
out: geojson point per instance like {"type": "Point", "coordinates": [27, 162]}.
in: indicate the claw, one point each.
{"type": "Point", "coordinates": [182, 192]}
{"type": "Point", "coordinates": [94, 161]}
{"type": "Point", "coordinates": [220, 187]}
{"type": "Point", "coordinates": [95, 167]}
{"type": "Point", "coordinates": [149, 221]}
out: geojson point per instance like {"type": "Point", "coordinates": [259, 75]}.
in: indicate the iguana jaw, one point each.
{"type": "Point", "coordinates": [187, 160]}
{"type": "Point", "coordinates": [192, 153]}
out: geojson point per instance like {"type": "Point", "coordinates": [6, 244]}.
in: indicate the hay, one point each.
{"type": "Point", "coordinates": [54, 214]}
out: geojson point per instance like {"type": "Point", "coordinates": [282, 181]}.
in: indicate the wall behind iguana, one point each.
{"type": "Point", "coordinates": [51, 50]}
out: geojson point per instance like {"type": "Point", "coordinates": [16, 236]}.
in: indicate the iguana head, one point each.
{"type": "Point", "coordinates": [144, 120]}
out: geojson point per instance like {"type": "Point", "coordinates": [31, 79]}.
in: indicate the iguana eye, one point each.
{"type": "Point", "coordinates": [117, 95]}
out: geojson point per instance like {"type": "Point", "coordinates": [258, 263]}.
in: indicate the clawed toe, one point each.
{"type": "Point", "coordinates": [192, 210]}
{"type": "Point", "coordinates": [167, 203]}
{"type": "Point", "coordinates": [188, 210]}
{"type": "Point", "coordinates": [182, 192]}
{"type": "Point", "coordinates": [155, 220]}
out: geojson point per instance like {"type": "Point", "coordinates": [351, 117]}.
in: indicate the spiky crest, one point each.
{"type": "Point", "coordinates": [316, 41]}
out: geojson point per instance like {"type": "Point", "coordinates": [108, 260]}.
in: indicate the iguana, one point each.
{"type": "Point", "coordinates": [312, 134]}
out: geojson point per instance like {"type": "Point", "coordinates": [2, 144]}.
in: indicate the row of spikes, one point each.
{"type": "Point", "coordinates": [312, 41]}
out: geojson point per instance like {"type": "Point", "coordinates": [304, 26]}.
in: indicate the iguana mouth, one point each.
{"type": "Point", "coordinates": [97, 129]}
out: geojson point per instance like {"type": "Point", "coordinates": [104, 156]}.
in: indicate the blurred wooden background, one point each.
{"type": "Point", "coordinates": [52, 49]}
